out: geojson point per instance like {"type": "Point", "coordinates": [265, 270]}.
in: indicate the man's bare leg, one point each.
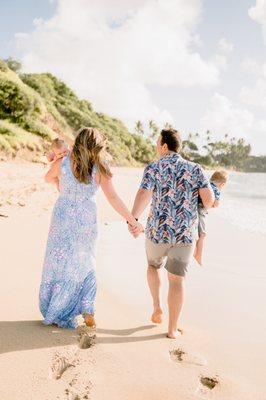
{"type": "Point", "coordinates": [175, 303]}
{"type": "Point", "coordinates": [199, 248]}
{"type": "Point", "coordinates": [154, 282]}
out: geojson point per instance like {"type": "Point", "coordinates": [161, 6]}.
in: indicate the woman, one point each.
{"type": "Point", "coordinates": [68, 286]}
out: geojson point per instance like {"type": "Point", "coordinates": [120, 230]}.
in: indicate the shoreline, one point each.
{"type": "Point", "coordinates": [223, 318]}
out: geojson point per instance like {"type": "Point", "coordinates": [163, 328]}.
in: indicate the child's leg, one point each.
{"type": "Point", "coordinates": [199, 248]}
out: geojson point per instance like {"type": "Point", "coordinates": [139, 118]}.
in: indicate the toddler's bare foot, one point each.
{"type": "Point", "coordinates": [174, 334]}
{"type": "Point", "coordinates": [198, 259]}
{"type": "Point", "coordinates": [156, 317]}
{"type": "Point", "coordinates": [89, 320]}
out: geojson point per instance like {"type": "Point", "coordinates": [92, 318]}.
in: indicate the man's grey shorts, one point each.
{"type": "Point", "coordinates": [174, 257]}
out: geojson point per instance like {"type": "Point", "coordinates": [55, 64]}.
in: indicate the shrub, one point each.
{"type": "Point", "coordinates": [15, 102]}
{"type": "Point", "coordinates": [12, 64]}
{"type": "Point", "coordinates": [3, 66]}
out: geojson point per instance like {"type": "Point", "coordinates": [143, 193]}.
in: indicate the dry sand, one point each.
{"type": "Point", "coordinates": [224, 318]}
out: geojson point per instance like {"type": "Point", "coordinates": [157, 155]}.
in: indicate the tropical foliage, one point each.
{"type": "Point", "coordinates": [35, 108]}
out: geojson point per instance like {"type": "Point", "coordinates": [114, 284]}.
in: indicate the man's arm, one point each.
{"type": "Point", "coordinates": [142, 199]}
{"type": "Point", "coordinates": [207, 197]}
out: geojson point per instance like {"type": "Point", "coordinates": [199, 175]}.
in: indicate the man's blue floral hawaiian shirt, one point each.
{"type": "Point", "coordinates": [175, 183]}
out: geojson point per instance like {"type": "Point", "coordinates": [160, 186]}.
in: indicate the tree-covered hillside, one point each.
{"type": "Point", "coordinates": [35, 108]}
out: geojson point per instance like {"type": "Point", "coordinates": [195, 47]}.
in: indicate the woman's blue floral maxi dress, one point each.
{"type": "Point", "coordinates": [68, 286]}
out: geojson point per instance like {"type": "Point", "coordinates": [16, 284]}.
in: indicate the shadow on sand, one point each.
{"type": "Point", "coordinates": [30, 335]}
{"type": "Point", "coordinates": [123, 335]}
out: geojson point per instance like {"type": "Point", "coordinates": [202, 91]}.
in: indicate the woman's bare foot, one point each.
{"type": "Point", "coordinates": [156, 317]}
{"type": "Point", "coordinates": [89, 320]}
{"type": "Point", "coordinates": [174, 334]}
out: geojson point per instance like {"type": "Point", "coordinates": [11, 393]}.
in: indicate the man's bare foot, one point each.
{"type": "Point", "coordinates": [156, 317]}
{"type": "Point", "coordinates": [89, 320]}
{"type": "Point", "coordinates": [174, 334]}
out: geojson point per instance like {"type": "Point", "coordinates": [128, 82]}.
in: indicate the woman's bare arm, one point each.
{"type": "Point", "coordinates": [52, 176]}
{"type": "Point", "coordinates": [115, 201]}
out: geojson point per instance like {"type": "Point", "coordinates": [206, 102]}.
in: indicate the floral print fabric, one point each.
{"type": "Point", "coordinates": [216, 191]}
{"type": "Point", "coordinates": [175, 183]}
{"type": "Point", "coordinates": [68, 286]}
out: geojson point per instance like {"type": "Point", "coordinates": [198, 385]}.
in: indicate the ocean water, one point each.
{"type": "Point", "coordinates": [243, 201]}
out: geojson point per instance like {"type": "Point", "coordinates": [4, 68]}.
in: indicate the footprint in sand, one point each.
{"type": "Point", "coordinates": [207, 387]}
{"type": "Point", "coordinates": [86, 337]}
{"type": "Point", "coordinates": [182, 356]}
{"type": "Point", "coordinates": [59, 365]}
{"type": "Point", "coordinates": [3, 216]}
{"type": "Point", "coordinates": [78, 390]}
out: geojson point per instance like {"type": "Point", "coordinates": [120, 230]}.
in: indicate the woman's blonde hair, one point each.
{"type": "Point", "coordinates": [88, 151]}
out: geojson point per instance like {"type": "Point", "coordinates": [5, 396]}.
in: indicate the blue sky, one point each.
{"type": "Point", "coordinates": [17, 16]}
{"type": "Point", "coordinates": [197, 64]}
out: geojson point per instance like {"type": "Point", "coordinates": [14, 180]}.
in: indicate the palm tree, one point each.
{"type": "Point", "coordinates": [167, 125]}
{"type": "Point", "coordinates": [154, 129]}
{"type": "Point", "coordinates": [139, 128]}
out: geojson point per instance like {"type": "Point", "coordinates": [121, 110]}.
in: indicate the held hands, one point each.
{"type": "Point", "coordinates": [135, 229]}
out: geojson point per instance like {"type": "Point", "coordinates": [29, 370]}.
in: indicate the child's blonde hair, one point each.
{"type": "Point", "coordinates": [58, 144]}
{"type": "Point", "coordinates": [220, 176]}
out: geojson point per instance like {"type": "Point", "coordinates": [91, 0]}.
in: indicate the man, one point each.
{"type": "Point", "coordinates": [174, 185]}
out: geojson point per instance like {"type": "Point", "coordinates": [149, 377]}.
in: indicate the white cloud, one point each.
{"type": "Point", "coordinates": [112, 52]}
{"type": "Point", "coordinates": [254, 95]}
{"type": "Point", "coordinates": [254, 67]}
{"type": "Point", "coordinates": [225, 117]}
{"type": "Point", "coordinates": [225, 46]}
{"type": "Point", "coordinates": [258, 14]}
{"type": "Point", "coordinates": [220, 59]}
{"type": "Point", "coordinates": [250, 65]}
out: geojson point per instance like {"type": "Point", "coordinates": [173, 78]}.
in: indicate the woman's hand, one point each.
{"type": "Point", "coordinates": [135, 229]}
{"type": "Point", "coordinates": [117, 204]}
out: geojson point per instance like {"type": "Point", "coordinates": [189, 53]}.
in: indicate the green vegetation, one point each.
{"type": "Point", "coordinates": [255, 164]}
{"type": "Point", "coordinates": [230, 153]}
{"type": "Point", "coordinates": [35, 108]}
{"type": "Point", "coordinates": [12, 64]}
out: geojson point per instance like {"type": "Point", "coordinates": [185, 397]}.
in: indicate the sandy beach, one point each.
{"type": "Point", "coordinates": [221, 354]}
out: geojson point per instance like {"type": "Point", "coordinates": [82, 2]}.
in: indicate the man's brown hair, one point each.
{"type": "Point", "coordinates": [172, 138]}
